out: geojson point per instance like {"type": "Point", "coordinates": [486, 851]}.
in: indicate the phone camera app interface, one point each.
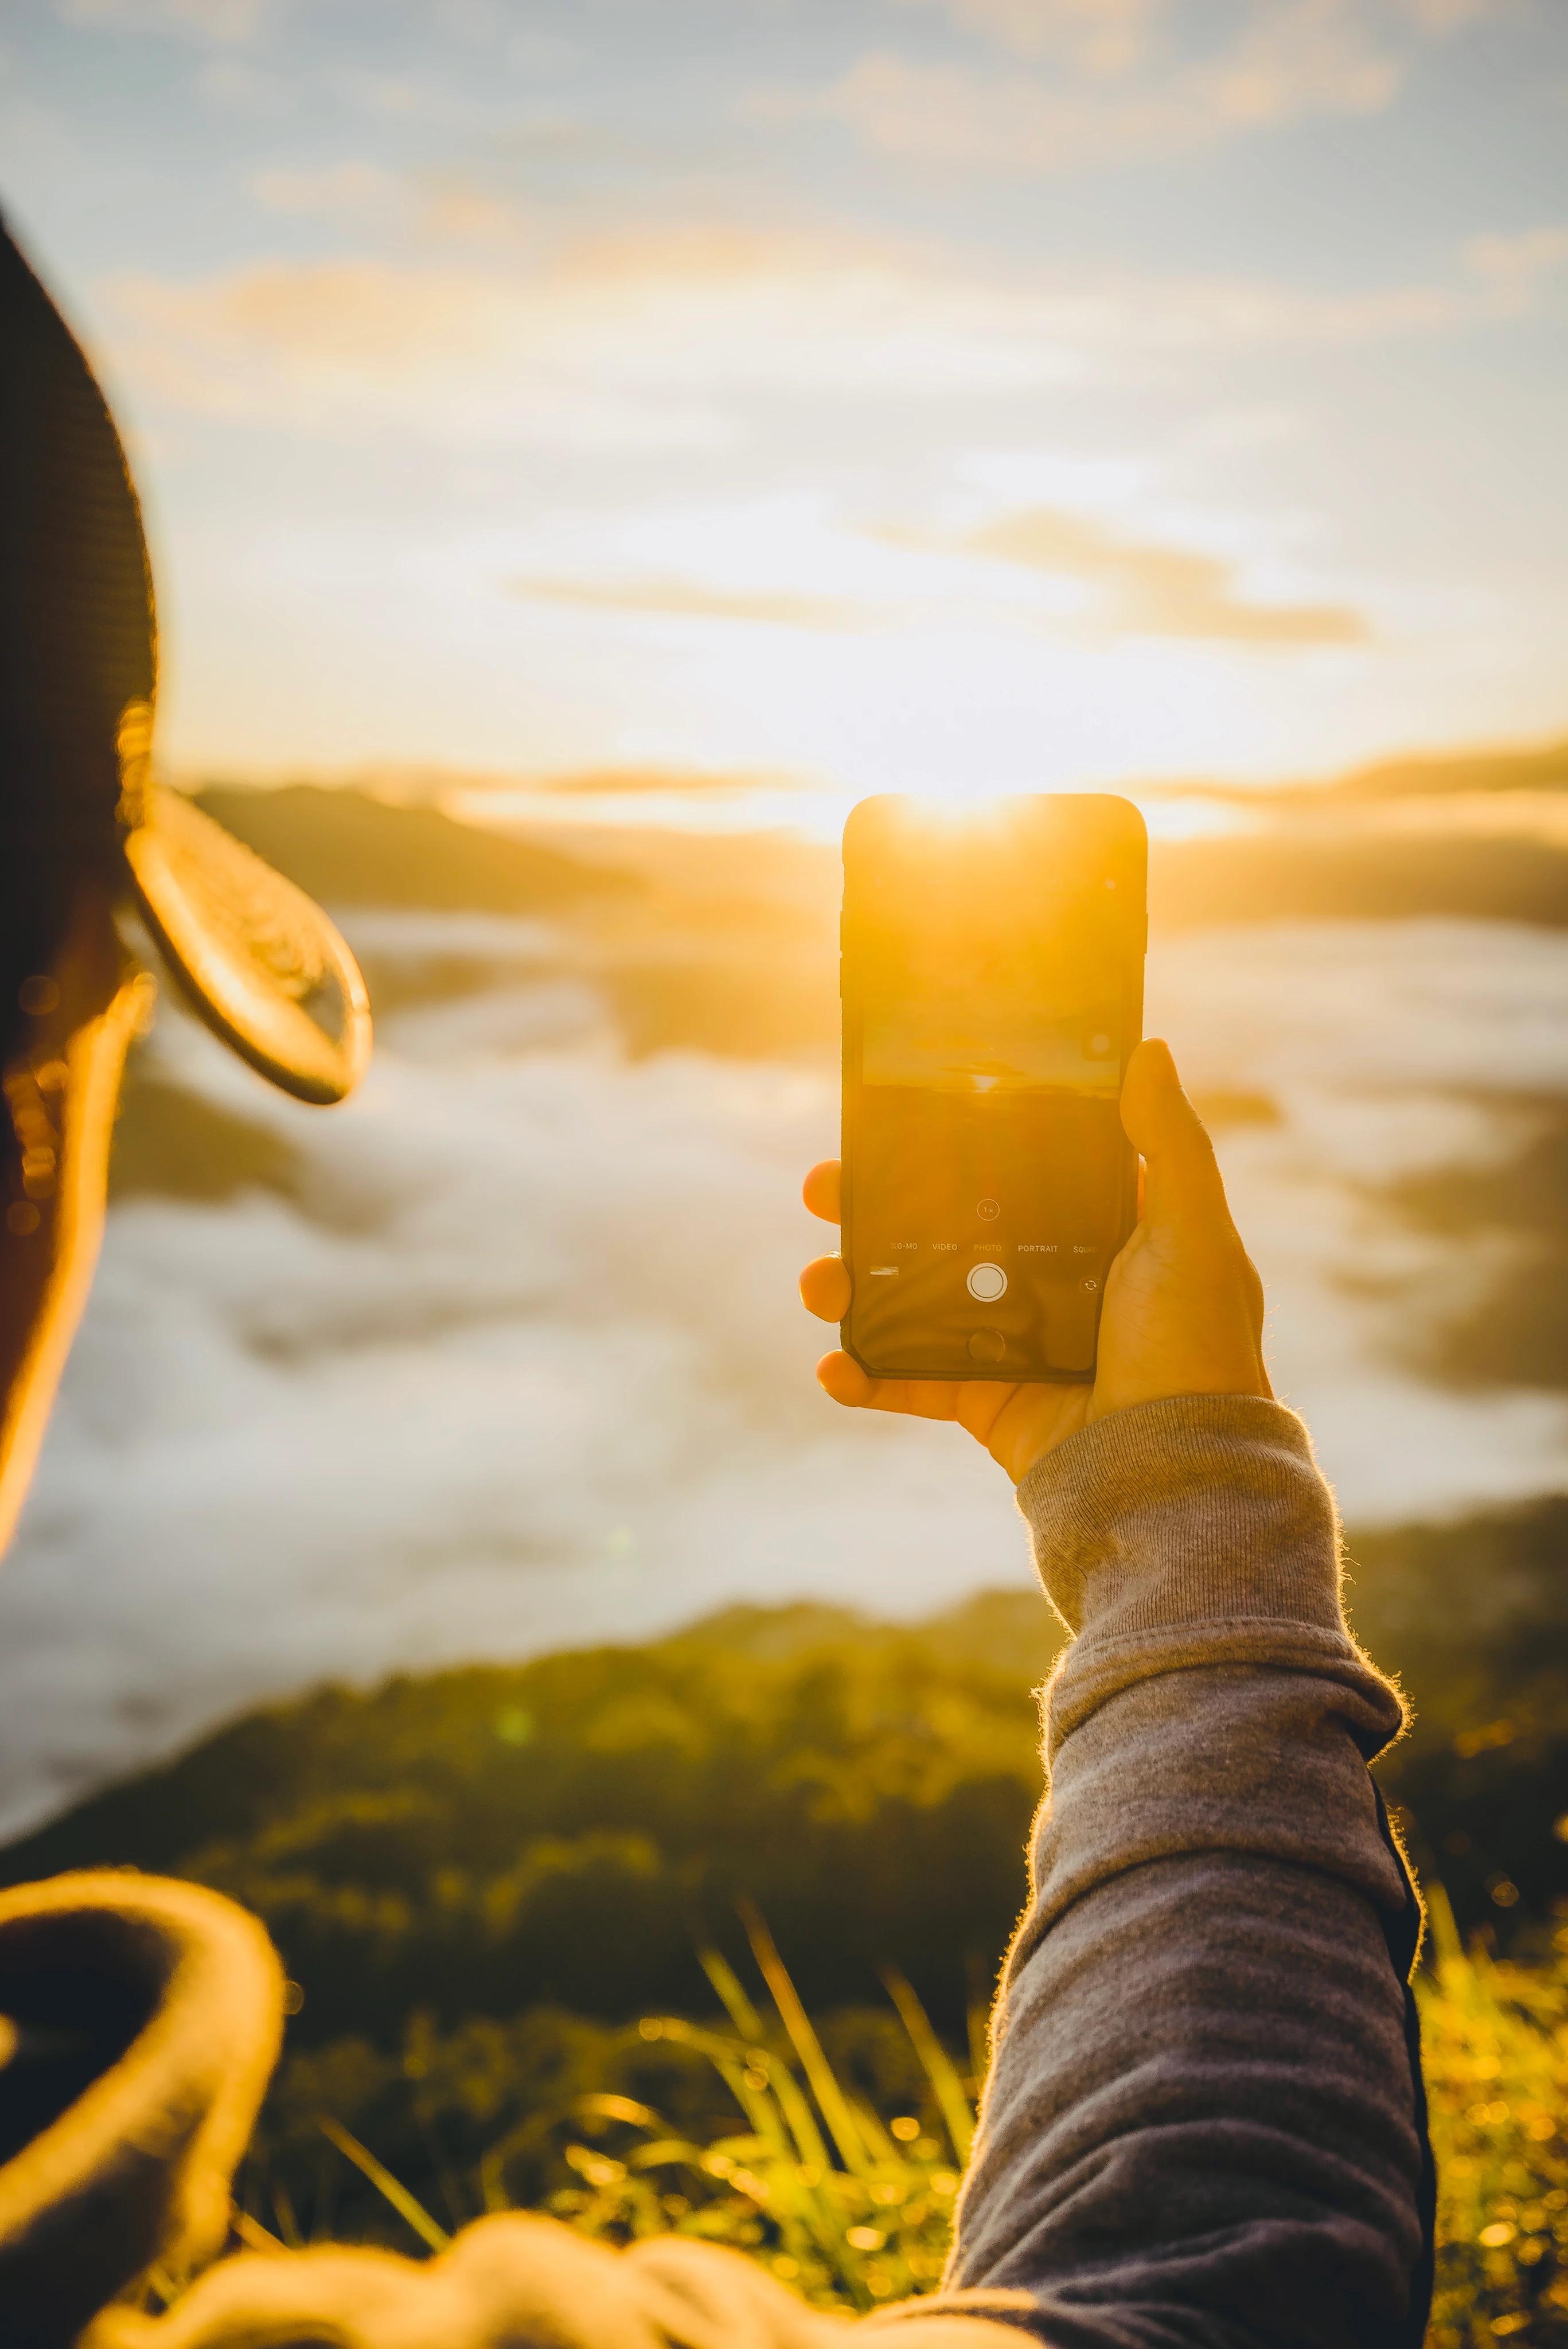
{"type": "Point", "coordinates": [995, 967]}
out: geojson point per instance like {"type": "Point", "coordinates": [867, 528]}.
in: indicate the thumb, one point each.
{"type": "Point", "coordinates": [1184, 1181]}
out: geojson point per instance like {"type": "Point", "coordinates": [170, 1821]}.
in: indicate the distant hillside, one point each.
{"type": "Point", "coordinates": [1473, 1618]}
{"type": "Point", "coordinates": [170, 1143]}
{"type": "Point", "coordinates": [568, 1829]}
{"type": "Point", "coordinates": [351, 849]}
{"type": "Point", "coordinates": [1542, 769]}
{"type": "Point", "coordinates": [478, 1841]}
{"type": "Point", "coordinates": [1420, 775]}
{"type": "Point", "coordinates": [704, 935]}
{"type": "Point", "coordinates": [1295, 875]}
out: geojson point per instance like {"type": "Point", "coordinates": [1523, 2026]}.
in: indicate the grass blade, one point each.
{"type": "Point", "coordinates": [733, 1998]}
{"type": "Point", "coordinates": [873, 2135]}
{"type": "Point", "coordinates": [979, 2047]}
{"type": "Point", "coordinates": [251, 2233]}
{"type": "Point", "coordinates": [731, 2063]}
{"type": "Point", "coordinates": [809, 2147]}
{"type": "Point", "coordinates": [382, 2179]}
{"type": "Point", "coordinates": [1441, 1929]}
{"type": "Point", "coordinates": [831, 2101]}
{"type": "Point", "coordinates": [283, 2212]}
{"type": "Point", "coordinates": [937, 2063]}
{"type": "Point", "coordinates": [600, 2108]}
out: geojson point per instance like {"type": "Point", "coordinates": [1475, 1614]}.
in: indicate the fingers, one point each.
{"type": "Point", "coordinates": [1182, 1178]}
{"type": "Point", "coordinates": [1256, 1302]}
{"type": "Point", "coordinates": [842, 1377]}
{"type": "Point", "coordinates": [825, 1287]}
{"type": "Point", "coordinates": [1256, 1306]}
{"type": "Point", "coordinates": [823, 1191]}
{"type": "Point", "coordinates": [1202, 1309]}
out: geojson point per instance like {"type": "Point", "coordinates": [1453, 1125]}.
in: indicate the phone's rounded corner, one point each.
{"type": "Point", "coordinates": [1127, 812]}
{"type": "Point", "coordinates": [867, 813]}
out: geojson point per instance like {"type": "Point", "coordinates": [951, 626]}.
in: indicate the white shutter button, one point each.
{"type": "Point", "coordinates": [987, 1282]}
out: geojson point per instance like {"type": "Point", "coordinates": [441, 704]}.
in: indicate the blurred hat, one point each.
{"type": "Point", "coordinates": [259, 959]}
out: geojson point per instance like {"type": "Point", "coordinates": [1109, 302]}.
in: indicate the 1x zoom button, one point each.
{"type": "Point", "coordinates": [987, 1282]}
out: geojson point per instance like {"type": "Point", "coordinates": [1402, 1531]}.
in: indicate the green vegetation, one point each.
{"type": "Point", "coordinates": [569, 1832]}
{"type": "Point", "coordinates": [1496, 2045]}
{"type": "Point", "coordinates": [834, 2160]}
{"type": "Point", "coordinates": [493, 1886]}
{"type": "Point", "coordinates": [765, 2139]}
{"type": "Point", "coordinates": [1474, 1616]}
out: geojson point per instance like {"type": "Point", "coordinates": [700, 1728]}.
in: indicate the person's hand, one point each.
{"type": "Point", "coordinates": [1183, 1312]}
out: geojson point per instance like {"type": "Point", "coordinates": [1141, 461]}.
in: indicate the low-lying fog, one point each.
{"type": "Point", "coordinates": [507, 1355]}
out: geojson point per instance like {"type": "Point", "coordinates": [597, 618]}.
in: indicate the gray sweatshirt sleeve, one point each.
{"type": "Point", "coordinates": [1204, 2122]}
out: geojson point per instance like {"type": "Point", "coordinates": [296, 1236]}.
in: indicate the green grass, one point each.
{"type": "Point", "coordinates": [849, 2200]}
{"type": "Point", "coordinates": [847, 2210]}
{"type": "Point", "coordinates": [483, 1842]}
{"type": "Point", "coordinates": [1496, 2039]}
{"type": "Point", "coordinates": [849, 2206]}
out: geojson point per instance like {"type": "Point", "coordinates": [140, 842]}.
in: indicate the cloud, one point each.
{"type": "Point", "coordinates": [668, 338]}
{"type": "Point", "coordinates": [218, 21]}
{"type": "Point", "coordinates": [1441, 18]}
{"type": "Point", "coordinates": [1160, 591]}
{"type": "Point", "coordinates": [1128, 80]}
{"type": "Point", "coordinates": [689, 600]}
{"type": "Point", "coordinates": [535, 1373]}
{"type": "Point", "coordinates": [350, 190]}
{"type": "Point", "coordinates": [302, 339]}
{"type": "Point", "coordinates": [1309, 58]}
{"type": "Point", "coordinates": [1133, 589]}
{"type": "Point", "coordinates": [636, 782]}
{"type": "Point", "coordinates": [1107, 38]}
{"type": "Point", "coordinates": [362, 344]}
{"type": "Point", "coordinates": [535, 1360]}
{"type": "Point", "coordinates": [1103, 37]}
{"type": "Point", "coordinates": [1515, 270]}
{"type": "Point", "coordinates": [637, 342]}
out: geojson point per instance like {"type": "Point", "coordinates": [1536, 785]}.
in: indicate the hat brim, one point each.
{"type": "Point", "coordinates": [263, 964]}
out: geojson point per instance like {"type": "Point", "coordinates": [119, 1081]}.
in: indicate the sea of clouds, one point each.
{"type": "Point", "coordinates": [521, 1365]}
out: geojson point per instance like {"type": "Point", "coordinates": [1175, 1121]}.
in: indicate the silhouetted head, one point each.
{"type": "Point", "coordinates": [78, 642]}
{"type": "Point", "coordinates": [86, 828]}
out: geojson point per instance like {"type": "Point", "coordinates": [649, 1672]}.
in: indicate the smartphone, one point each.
{"type": "Point", "coordinates": [993, 989]}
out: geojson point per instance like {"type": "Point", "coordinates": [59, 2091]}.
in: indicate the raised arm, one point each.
{"type": "Point", "coordinates": [1204, 2121]}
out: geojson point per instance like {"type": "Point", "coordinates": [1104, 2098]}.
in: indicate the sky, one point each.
{"type": "Point", "coordinates": [945, 395]}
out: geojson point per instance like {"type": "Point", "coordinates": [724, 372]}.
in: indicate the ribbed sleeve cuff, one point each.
{"type": "Point", "coordinates": [1189, 1533]}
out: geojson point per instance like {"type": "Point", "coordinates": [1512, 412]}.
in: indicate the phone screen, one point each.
{"type": "Point", "coordinates": [992, 982]}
